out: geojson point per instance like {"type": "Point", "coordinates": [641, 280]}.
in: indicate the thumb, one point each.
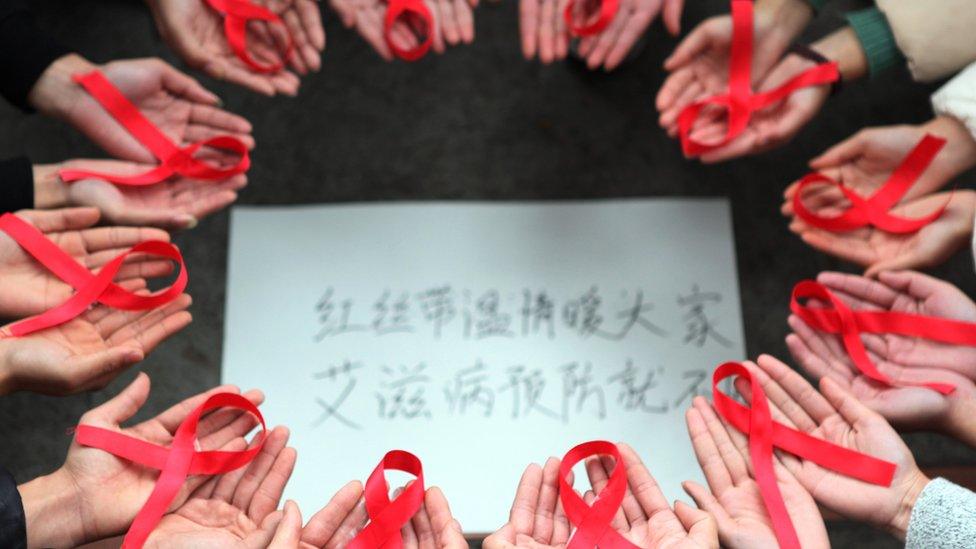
{"type": "Point", "coordinates": [905, 261]}
{"type": "Point", "coordinates": [104, 363]}
{"type": "Point", "coordinates": [845, 151]}
{"type": "Point", "coordinates": [123, 405]}
{"type": "Point", "coordinates": [164, 218]}
{"type": "Point", "coordinates": [699, 524]}
{"type": "Point", "coordinates": [289, 530]}
{"type": "Point", "coordinates": [672, 15]}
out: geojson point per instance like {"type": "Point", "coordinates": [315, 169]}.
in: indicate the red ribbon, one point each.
{"type": "Point", "coordinates": [740, 102]}
{"type": "Point", "coordinates": [175, 463]}
{"type": "Point", "coordinates": [874, 210]}
{"type": "Point", "coordinates": [608, 10]}
{"type": "Point", "coordinates": [237, 14]}
{"type": "Point", "coordinates": [90, 288]}
{"type": "Point", "coordinates": [386, 517]}
{"type": "Point", "coordinates": [764, 434]}
{"type": "Point", "coordinates": [850, 324]}
{"type": "Point", "coordinates": [174, 160]}
{"type": "Point", "coordinates": [592, 522]}
{"type": "Point", "coordinates": [399, 8]}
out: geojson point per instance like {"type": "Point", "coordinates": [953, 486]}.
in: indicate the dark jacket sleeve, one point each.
{"type": "Point", "coordinates": [16, 188]}
{"type": "Point", "coordinates": [13, 525]}
{"type": "Point", "coordinates": [25, 52]}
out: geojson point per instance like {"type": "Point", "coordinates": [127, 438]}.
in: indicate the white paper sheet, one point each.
{"type": "Point", "coordinates": [480, 336]}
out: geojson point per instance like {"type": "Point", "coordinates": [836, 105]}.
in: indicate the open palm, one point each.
{"type": "Point", "coordinates": [177, 203]}
{"type": "Point", "coordinates": [29, 288]}
{"type": "Point", "coordinates": [177, 104]}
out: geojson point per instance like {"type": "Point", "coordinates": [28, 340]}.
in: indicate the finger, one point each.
{"type": "Point", "coordinates": [545, 509]}
{"type": "Point", "coordinates": [122, 406]}
{"type": "Point", "coordinates": [599, 477]}
{"type": "Point", "coordinates": [700, 525]}
{"type": "Point", "coordinates": [185, 86]}
{"type": "Point", "coordinates": [606, 40]}
{"type": "Point", "coordinates": [221, 69]}
{"type": "Point", "coordinates": [97, 369]}
{"type": "Point", "coordinates": [289, 531]}
{"type": "Point", "coordinates": [841, 153]}
{"type": "Point", "coordinates": [631, 32]}
{"type": "Point", "coordinates": [851, 409]}
{"type": "Point", "coordinates": [66, 219]}
{"type": "Point", "coordinates": [813, 364]}
{"type": "Point", "coordinates": [873, 292]}
{"type": "Point", "coordinates": [547, 43]}
{"type": "Point", "coordinates": [847, 249]}
{"type": "Point", "coordinates": [796, 398]}
{"type": "Point", "coordinates": [697, 42]}
{"type": "Point", "coordinates": [103, 238]}
{"type": "Point", "coordinates": [228, 483]}
{"type": "Point", "coordinates": [449, 27]}
{"type": "Point", "coordinates": [561, 526]}
{"type": "Point", "coordinates": [267, 484]}
{"type": "Point", "coordinates": [219, 119]}
{"type": "Point", "coordinates": [735, 463]}
{"type": "Point", "coordinates": [706, 451]}
{"type": "Point", "coordinates": [706, 501]}
{"type": "Point", "coordinates": [672, 16]}
{"type": "Point", "coordinates": [529, 26]}
{"type": "Point", "coordinates": [311, 17]}
{"type": "Point", "coordinates": [919, 286]}
{"type": "Point", "coordinates": [522, 514]}
{"type": "Point", "coordinates": [422, 528]}
{"type": "Point", "coordinates": [171, 419]}
{"type": "Point", "coordinates": [324, 525]}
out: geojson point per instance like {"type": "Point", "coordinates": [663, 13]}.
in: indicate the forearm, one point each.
{"type": "Point", "coordinates": [55, 93]}
{"type": "Point", "coordinates": [51, 507]}
{"type": "Point", "coordinates": [785, 18]}
{"type": "Point", "coordinates": [843, 47]}
{"type": "Point", "coordinates": [49, 191]}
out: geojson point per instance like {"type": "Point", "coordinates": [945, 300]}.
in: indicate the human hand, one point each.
{"type": "Point", "coordinates": [611, 47]}
{"type": "Point", "coordinates": [453, 24]}
{"type": "Point", "coordinates": [30, 289]}
{"type": "Point", "coordinates": [96, 495]}
{"type": "Point", "coordinates": [336, 524]}
{"type": "Point", "coordinates": [195, 31]}
{"type": "Point", "coordinates": [699, 66]}
{"type": "Point", "coordinates": [182, 109]}
{"type": "Point", "coordinates": [835, 415]}
{"type": "Point", "coordinates": [177, 203]}
{"type": "Point", "coordinates": [88, 352]}
{"type": "Point", "coordinates": [879, 250]}
{"type": "Point", "coordinates": [898, 357]}
{"type": "Point", "coordinates": [733, 496]}
{"type": "Point", "coordinates": [236, 509]}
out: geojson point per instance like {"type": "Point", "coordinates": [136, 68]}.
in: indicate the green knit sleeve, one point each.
{"type": "Point", "coordinates": [877, 40]}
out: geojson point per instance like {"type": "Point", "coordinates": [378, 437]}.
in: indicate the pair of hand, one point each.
{"type": "Point", "coordinates": [832, 414]}
{"type": "Point", "coordinates": [87, 352]}
{"type": "Point", "coordinates": [453, 24]}
{"type": "Point", "coordinates": [195, 31]}
{"type": "Point", "coordinates": [699, 68]}
{"type": "Point", "coordinates": [863, 163]}
{"type": "Point", "coordinates": [898, 357]}
{"type": "Point", "coordinates": [544, 34]}
{"type": "Point", "coordinates": [538, 521]}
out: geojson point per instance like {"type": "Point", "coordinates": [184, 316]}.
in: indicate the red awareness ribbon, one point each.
{"type": "Point", "coordinates": [398, 9]}
{"type": "Point", "coordinates": [764, 434]}
{"type": "Point", "coordinates": [386, 517]}
{"type": "Point", "coordinates": [90, 288]}
{"type": "Point", "coordinates": [740, 102]}
{"type": "Point", "coordinates": [840, 319]}
{"type": "Point", "coordinates": [592, 522]}
{"type": "Point", "coordinates": [608, 10]}
{"type": "Point", "coordinates": [175, 463]}
{"type": "Point", "coordinates": [237, 14]}
{"type": "Point", "coordinates": [874, 210]}
{"type": "Point", "coordinates": [174, 160]}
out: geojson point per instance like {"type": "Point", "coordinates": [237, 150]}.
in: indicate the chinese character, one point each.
{"type": "Point", "coordinates": [331, 409]}
{"type": "Point", "coordinates": [389, 321]}
{"type": "Point", "coordinates": [468, 388]}
{"type": "Point", "coordinates": [695, 378]}
{"type": "Point", "coordinates": [578, 389]}
{"type": "Point", "coordinates": [699, 326]}
{"type": "Point", "coordinates": [487, 321]}
{"type": "Point", "coordinates": [437, 305]}
{"type": "Point", "coordinates": [635, 392]}
{"type": "Point", "coordinates": [405, 394]}
{"type": "Point", "coordinates": [527, 387]}
{"type": "Point", "coordinates": [536, 313]}
{"type": "Point", "coordinates": [634, 316]}
{"type": "Point", "coordinates": [331, 326]}
{"type": "Point", "coordinates": [583, 314]}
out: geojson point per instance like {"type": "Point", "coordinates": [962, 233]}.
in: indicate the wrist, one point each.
{"type": "Point", "coordinates": [49, 191]}
{"type": "Point", "coordinates": [843, 47]}
{"type": "Point", "coordinates": [55, 93]}
{"type": "Point", "coordinates": [898, 527]}
{"type": "Point", "coordinates": [51, 509]}
{"type": "Point", "coordinates": [959, 153]}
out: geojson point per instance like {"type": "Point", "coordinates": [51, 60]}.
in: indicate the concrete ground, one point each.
{"type": "Point", "coordinates": [477, 124]}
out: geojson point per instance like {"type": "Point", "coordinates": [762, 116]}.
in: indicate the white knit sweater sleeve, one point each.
{"type": "Point", "coordinates": [944, 517]}
{"type": "Point", "coordinates": [957, 98]}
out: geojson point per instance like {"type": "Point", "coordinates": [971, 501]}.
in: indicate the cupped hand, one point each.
{"type": "Point", "coordinates": [237, 510]}
{"type": "Point", "coordinates": [611, 47]}
{"type": "Point", "coordinates": [733, 495]}
{"type": "Point", "coordinates": [88, 352]}
{"type": "Point", "coordinates": [29, 288]}
{"type": "Point", "coordinates": [878, 250]}
{"type": "Point", "coordinates": [453, 24]}
{"type": "Point", "coordinates": [177, 203]}
{"type": "Point", "coordinates": [195, 31]}
{"type": "Point", "coordinates": [176, 103]}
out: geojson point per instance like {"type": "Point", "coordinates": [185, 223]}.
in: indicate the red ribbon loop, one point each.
{"type": "Point", "coordinates": [174, 160]}
{"type": "Point", "coordinates": [608, 10]}
{"type": "Point", "coordinates": [237, 14]}
{"type": "Point", "coordinates": [874, 210]}
{"type": "Point", "coordinates": [400, 8]}
{"type": "Point", "coordinates": [764, 434]}
{"type": "Point", "coordinates": [840, 319]}
{"type": "Point", "coordinates": [90, 288]}
{"type": "Point", "coordinates": [740, 102]}
{"type": "Point", "coordinates": [175, 463]}
{"type": "Point", "coordinates": [593, 522]}
{"type": "Point", "coordinates": [386, 517]}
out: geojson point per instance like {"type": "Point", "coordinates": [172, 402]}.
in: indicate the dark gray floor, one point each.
{"type": "Point", "coordinates": [477, 124]}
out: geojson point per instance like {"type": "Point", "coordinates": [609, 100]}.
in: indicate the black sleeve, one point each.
{"type": "Point", "coordinates": [16, 189]}
{"type": "Point", "coordinates": [25, 52]}
{"type": "Point", "coordinates": [13, 524]}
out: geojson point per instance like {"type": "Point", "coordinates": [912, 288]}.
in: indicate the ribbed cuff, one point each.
{"type": "Point", "coordinates": [877, 40]}
{"type": "Point", "coordinates": [16, 185]}
{"type": "Point", "coordinates": [817, 5]}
